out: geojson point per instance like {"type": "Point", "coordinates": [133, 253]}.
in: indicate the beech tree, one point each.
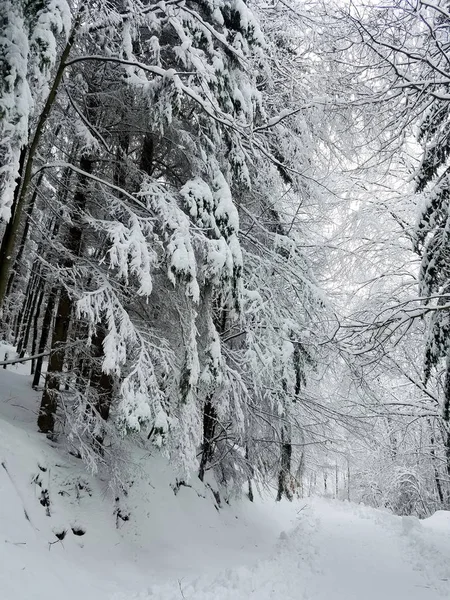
{"type": "Point", "coordinates": [402, 59]}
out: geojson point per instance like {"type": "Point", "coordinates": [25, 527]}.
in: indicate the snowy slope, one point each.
{"type": "Point", "coordinates": [147, 536]}
{"type": "Point", "coordinates": [155, 544]}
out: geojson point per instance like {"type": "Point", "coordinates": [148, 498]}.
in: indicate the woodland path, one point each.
{"type": "Point", "coordinates": [338, 551]}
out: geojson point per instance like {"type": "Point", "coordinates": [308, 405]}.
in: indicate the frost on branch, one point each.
{"type": "Point", "coordinates": [15, 99]}
{"type": "Point", "coordinates": [212, 209]}
{"type": "Point", "coordinates": [130, 252]}
{"type": "Point", "coordinates": [46, 27]}
{"type": "Point", "coordinates": [131, 356]}
{"type": "Point", "coordinates": [28, 51]}
{"type": "Point", "coordinates": [175, 228]}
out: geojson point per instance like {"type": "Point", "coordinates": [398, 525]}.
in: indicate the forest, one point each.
{"type": "Point", "coordinates": [225, 240]}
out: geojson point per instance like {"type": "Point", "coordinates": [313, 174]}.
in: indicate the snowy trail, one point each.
{"type": "Point", "coordinates": [338, 552]}
{"type": "Point", "coordinates": [365, 558]}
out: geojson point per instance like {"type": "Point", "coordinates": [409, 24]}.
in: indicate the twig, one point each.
{"type": "Point", "coordinates": [24, 359]}
{"type": "Point", "coordinates": [16, 543]}
{"type": "Point", "coordinates": [3, 463]}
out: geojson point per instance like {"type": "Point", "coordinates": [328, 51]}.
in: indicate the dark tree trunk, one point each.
{"type": "Point", "coordinates": [46, 325]}
{"type": "Point", "coordinates": [49, 402]}
{"type": "Point", "coordinates": [209, 427]}
{"type": "Point", "coordinates": [437, 477]}
{"type": "Point", "coordinates": [101, 381]}
{"type": "Point", "coordinates": [446, 425]}
{"type": "Point", "coordinates": [284, 475]}
{"type": "Point", "coordinates": [148, 147]}
{"type": "Point", "coordinates": [21, 319]}
{"type": "Point", "coordinates": [29, 318]}
{"type": "Point", "coordinates": [209, 412]}
{"type": "Point", "coordinates": [32, 294]}
{"type": "Point", "coordinates": [249, 478]}
{"type": "Point", "coordinates": [37, 314]}
{"type": "Point", "coordinates": [300, 473]}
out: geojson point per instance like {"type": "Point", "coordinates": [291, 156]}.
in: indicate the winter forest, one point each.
{"type": "Point", "coordinates": [225, 244]}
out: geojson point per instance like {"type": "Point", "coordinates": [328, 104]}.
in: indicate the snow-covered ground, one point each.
{"type": "Point", "coordinates": [155, 544]}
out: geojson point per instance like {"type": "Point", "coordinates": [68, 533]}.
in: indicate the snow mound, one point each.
{"type": "Point", "coordinates": [439, 521]}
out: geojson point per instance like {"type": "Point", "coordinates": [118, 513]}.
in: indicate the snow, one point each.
{"type": "Point", "coordinates": [53, 20]}
{"type": "Point", "coordinates": [160, 541]}
{"type": "Point", "coordinates": [181, 257]}
{"type": "Point", "coordinates": [8, 352]}
{"type": "Point", "coordinates": [439, 521]}
{"type": "Point", "coordinates": [16, 102]}
{"type": "Point", "coordinates": [337, 551]}
{"type": "Point", "coordinates": [28, 52]}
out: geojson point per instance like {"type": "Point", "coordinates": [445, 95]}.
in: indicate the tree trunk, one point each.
{"type": "Point", "coordinates": [437, 478]}
{"type": "Point", "coordinates": [446, 425]}
{"type": "Point", "coordinates": [36, 328]}
{"type": "Point", "coordinates": [49, 402]}
{"type": "Point", "coordinates": [299, 476]}
{"type": "Point", "coordinates": [249, 478]}
{"type": "Point", "coordinates": [46, 325]}
{"type": "Point", "coordinates": [348, 480]}
{"type": "Point", "coordinates": [209, 427]}
{"type": "Point", "coordinates": [284, 474]}
{"type": "Point", "coordinates": [8, 245]}
{"type": "Point", "coordinates": [24, 237]}
{"type": "Point", "coordinates": [101, 381]}
{"type": "Point", "coordinates": [29, 319]}
{"type": "Point", "coordinates": [18, 330]}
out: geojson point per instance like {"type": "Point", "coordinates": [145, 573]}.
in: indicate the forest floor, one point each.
{"type": "Point", "coordinates": [151, 543]}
